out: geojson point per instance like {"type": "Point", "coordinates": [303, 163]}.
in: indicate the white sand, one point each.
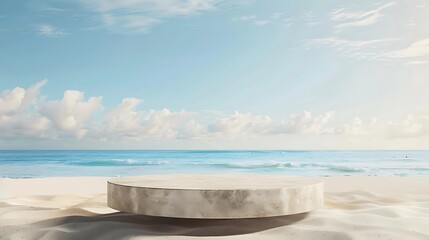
{"type": "Point", "coordinates": [75, 208]}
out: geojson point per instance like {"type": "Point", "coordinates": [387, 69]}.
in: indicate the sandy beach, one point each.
{"type": "Point", "coordinates": [162, 94]}
{"type": "Point", "coordinates": [75, 208]}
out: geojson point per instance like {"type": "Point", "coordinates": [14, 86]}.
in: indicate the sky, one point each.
{"type": "Point", "coordinates": [214, 74]}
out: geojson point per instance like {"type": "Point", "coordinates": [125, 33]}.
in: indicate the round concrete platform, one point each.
{"type": "Point", "coordinates": [215, 196]}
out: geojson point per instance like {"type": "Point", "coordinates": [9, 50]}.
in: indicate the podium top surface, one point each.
{"type": "Point", "coordinates": [215, 181]}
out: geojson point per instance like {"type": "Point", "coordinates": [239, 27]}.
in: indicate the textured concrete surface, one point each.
{"type": "Point", "coordinates": [218, 196]}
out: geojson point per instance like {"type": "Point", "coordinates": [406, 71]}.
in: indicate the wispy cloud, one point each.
{"type": "Point", "coordinates": [416, 62]}
{"type": "Point", "coordinates": [414, 54]}
{"type": "Point", "coordinates": [245, 18]}
{"type": "Point", "coordinates": [374, 49]}
{"type": "Point", "coordinates": [419, 48]}
{"type": "Point", "coordinates": [261, 22]}
{"type": "Point", "coordinates": [255, 20]}
{"type": "Point", "coordinates": [307, 18]}
{"type": "Point", "coordinates": [141, 15]}
{"type": "Point", "coordinates": [310, 19]}
{"type": "Point", "coordinates": [49, 30]}
{"type": "Point", "coordinates": [276, 15]}
{"type": "Point", "coordinates": [343, 44]}
{"type": "Point", "coordinates": [345, 18]}
{"type": "Point", "coordinates": [423, 5]}
{"type": "Point", "coordinates": [288, 21]}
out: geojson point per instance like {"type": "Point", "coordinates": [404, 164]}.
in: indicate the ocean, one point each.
{"type": "Point", "coordinates": [32, 164]}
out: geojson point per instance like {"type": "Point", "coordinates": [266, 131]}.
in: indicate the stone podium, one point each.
{"type": "Point", "coordinates": [215, 196]}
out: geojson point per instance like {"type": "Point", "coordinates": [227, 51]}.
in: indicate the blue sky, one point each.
{"type": "Point", "coordinates": [194, 74]}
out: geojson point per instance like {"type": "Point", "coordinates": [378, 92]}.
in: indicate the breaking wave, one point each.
{"type": "Point", "coordinates": [280, 165]}
{"type": "Point", "coordinates": [118, 162]}
{"type": "Point", "coordinates": [253, 165]}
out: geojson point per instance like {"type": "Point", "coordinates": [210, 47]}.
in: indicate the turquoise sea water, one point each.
{"type": "Point", "coordinates": [29, 164]}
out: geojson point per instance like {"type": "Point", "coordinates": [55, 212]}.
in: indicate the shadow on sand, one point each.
{"type": "Point", "coordinates": [125, 225]}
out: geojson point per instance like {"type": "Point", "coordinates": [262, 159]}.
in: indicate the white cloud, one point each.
{"type": "Point", "coordinates": [358, 18]}
{"type": "Point", "coordinates": [372, 49]}
{"type": "Point", "coordinates": [342, 44]}
{"type": "Point", "coordinates": [289, 21]}
{"type": "Point", "coordinates": [415, 125]}
{"type": "Point", "coordinates": [71, 113]}
{"type": "Point", "coordinates": [18, 99]}
{"type": "Point", "coordinates": [261, 22]}
{"type": "Point", "coordinates": [356, 128]}
{"type": "Point", "coordinates": [411, 23]}
{"type": "Point", "coordinates": [124, 118]}
{"type": "Point", "coordinates": [164, 123]}
{"type": "Point", "coordinates": [17, 118]}
{"type": "Point", "coordinates": [245, 18]}
{"type": "Point", "coordinates": [192, 129]}
{"type": "Point", "coordinates": [49, 30]}
{"type": "Point", "coordinates": [380, 50]}
{"type": "Point", "coordinates": [141, 15]}
{"type": "Point", "coordinates": [310, 19]}
{"type": "Point", "coordinates": [357, 49]}
{"type": "Point", "coordinates": [10, 101]}
{"type": "Point", "coordinates": [24, 114]}
{"type": "Point", "coordinates": [304, 122]}
{"type": "Point", "coordinates": [241, 124]}
{"type": "Point", "coordinates": [26, 126]}
{"type": "Point", "coordinates": [276, 15]}
{"type": "Point", "coordinates": [257, 21]}
{"type": "Point", "coordinates": [421, 5]}
{"type": "Point", "coordinates": [416, 62]}
{"type": "Point", "coordinates": [416, 49]}
{"type": "Point", "coordinates": [125, 121]}
{"type": "Point", "coordinates": [278, 19]}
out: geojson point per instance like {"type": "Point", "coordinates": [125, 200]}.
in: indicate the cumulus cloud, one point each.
{"type": "Point", "coordinates": [164, 123]}
{"type": "Point", "coordinates": [190, 130]}
{"type": "Point", "coordinates": [125, 121]}
{"type": "Point", "coordinates": [124, 118]}
{"type": "Point", "coordinates": [18, 99]}
{"type": "Point", "coordinates": [17, 118]}
{"type": "Point", "coordinates": [25, 114]}
{"type": "Point", "coordinates": [304, 122]}
{"type": "Point", "coordinates": [72, 112]}
{"type": "Point", "coordinates": [26, 126]}
{"type": "Point", "coordinates": [356, 128]}
{"type": "Point", "coordinates": [10, 101]}
{"type": "Point", "coordinates": [415, 125]}
{"type": "Point", "coordinates": [240, 123]}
